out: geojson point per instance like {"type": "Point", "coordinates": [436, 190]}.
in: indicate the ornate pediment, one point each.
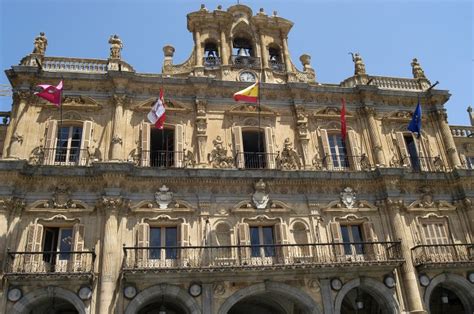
{"type": "Point", "coordinates": [273, 206]}
{"type": "Point", "coordinates": [262, 219]}
{"type": "Point", "coordinates": [427, 203]}
{"type": "Point", "coordinates": [403, 115]}
{"type": "Point", "coordinates": [170, 105]}
{"type": "Point", "coordinates": [348, 202]}
{"type": "Point", "coordinates": [251, 110]}
{"type": "Point", "coordinates": [163, 219]}
{"type": "Point", "coordinates": [60, 201]}
{"type": "Point", "coordinates": [173, 207]}
{"type": "Point", "coordinates": [330, 112]}
{"type": "Point", "coordinates": [76, 102]}
{"type": "Point", "coordinates": [58, 219]}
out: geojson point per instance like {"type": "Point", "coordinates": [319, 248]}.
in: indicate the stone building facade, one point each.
{"type": "Point", "coordinates": [232, 207]}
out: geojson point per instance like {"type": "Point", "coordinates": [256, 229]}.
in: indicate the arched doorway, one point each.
{"type": "Point", "coordinates": [50, 300]}
{"type": "Point", "coordinates": [53, 306]}
{"type": "Point", "coordinates": [270, 298]}
{"type": "Point", "coordinates": [444, 300]}
{"type": "Point", "coordinates": [162, 306]}
{"type": "Point", "coordinates": [358, 301]}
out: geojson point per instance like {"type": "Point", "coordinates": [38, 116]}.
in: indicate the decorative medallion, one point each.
{"type": "Point", "coordinates": [348, 197]}
{"type": "Point", "coordinates": [164, 197]}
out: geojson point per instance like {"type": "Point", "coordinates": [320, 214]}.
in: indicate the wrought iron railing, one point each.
{"type": "Point", "coordinates": [254, 256]}
{"type": "Point", "coordinates": [443, 254]}
{"type": "Point", "coordinates": [424, 164]}
{"type": "Point", "coordinates": [346, 163]}
{"type": "Point", "coordinates": [245, 61]}
{"type": "Point", "coordinates": [211, 62]}
{"type": "Point", "coordinates": [50, 262]}
{"type": "Point", "coordinates": [163, 158]}
{"type": "Point", "coordinates": [277, 65]}
{"type": "Point", "coordinates": [61, 157]}
{"type": "Point", "coordinates": [255, 160]}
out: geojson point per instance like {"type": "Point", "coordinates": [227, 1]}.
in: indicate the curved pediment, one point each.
{"type": "Point", "coordinates": [331, 112]}
{"type": "Point", "coordinates": [170, 105]}
{"type": "Point", "coordinates": [358, 206]}
{"type": "Point", "coordinates": [251, 110]}
{"type": "Point", "coordinates": [57, 219]}
{"type": "Point", "coordinates": [174, 206]}
{"type": "Point", "coordinates": [53, 205]}
{"type": "Point", "coordinates": [163, 219]}
{"type": "Point", "coordinates": [273, 206]}
{"type": "Point", "coordinates": [428, 206]}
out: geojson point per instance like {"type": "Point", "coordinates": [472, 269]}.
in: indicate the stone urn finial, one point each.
{"type": "Point", "coordinates": [168, 51]}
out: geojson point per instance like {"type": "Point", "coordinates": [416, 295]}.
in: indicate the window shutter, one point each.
{"type": "Point", "coordinates": [184, 237]}
{"type": "Point", "coordinates": [178, 145]}
{"type": "Point", "coordinates": [78, 259]}
{"type": "Point", "coordinates": [336, 238]}
{"type": "Point", "coordinates": [372, 250]}
{"type": "Point", "coordinates": [145, 144]}
{"type": "Point", "coordinates": [404, 157]}
{"type": "Point", "coordinates": [244, 240]}
{"type": "Point", "coordinates": [184, 253]}
{"type": "Point", "coordinates": [34, 244]}
{"type": "Point", "coordinates": [327, 158]}
{"type": "Point", "coordinates": [143, 241]}
{"type": "Point", "coordinates": [270, 148]}
{"type": "Point", "coordinates": [85, 142]}
{"type": "Point", "coordinates": [238, 145]}
{"type": "Point", "coordinates": [50, 141]}
{"type": "Point", "coordinates": [281, 238]}
{"type": "Point", "coordinates": [354, 150]}
{"type": "Point", "coordinates": [421, 153]}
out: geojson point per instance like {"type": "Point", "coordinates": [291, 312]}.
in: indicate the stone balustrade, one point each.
{"type": "Point", "coordinates": [462, 131]}
{"type": "Point", "coordinates": [384, 82]}
{"type": "Point", "coordinates": [59, 64]}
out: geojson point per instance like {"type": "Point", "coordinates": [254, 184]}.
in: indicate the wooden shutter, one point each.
{"type": "Point", "coordinates": [281, 237]}
{"type": "Point", "coordinates": [50, 141]}
{"type": "Point", "coordinates": [145, 144]}
{"type": "Point", "coordinates": [178, 145]}
{"type": "Point", "coordinates": [354, 150]}
{"type": "Point", "coordinates": [424, 163]}
{"type": "Point", "coordinates": [85, 142]}
{"type": "Point", "coordinates": [143, 241]}
{"type": "Point", "coordinates": [404, 156]}
{"type": "Point", "coordinates": [270, 148]}
{"type": "Point", "coordinates": [184, 253]}
{"type": "Point", "coordinates": [326, 157]}
{"type": "Point", "coordinates": [336, 234]}
{"type": "Point", "coordinates": [34, 244]}
{"type": "Point", "coordinates": [78, 259]}
{"type": "Point", "coordinates": [368, 231]}
{"type": "Point", "coordinates": [238, 146]}
{"type": "Point", "coordinates": [244, 240]}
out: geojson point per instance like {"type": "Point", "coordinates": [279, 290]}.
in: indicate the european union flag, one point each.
{"type": "Point", "coordinates": [415, 123]}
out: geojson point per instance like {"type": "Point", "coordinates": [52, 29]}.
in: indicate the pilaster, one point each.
{"type": "Point", "coordinates": [369, 113]}
{"type": "Point", "coordinates": [440, 117]}
{"type": "Point", "coordinates": [201, 129]}
{"type": "Point", "coordinates": [117, 132]}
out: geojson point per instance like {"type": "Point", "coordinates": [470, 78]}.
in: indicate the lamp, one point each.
{"type": "Point", "coordinates": [444, 296]}
{"type": "Point", "coordinates": [162, 309]}
{"type": "Point", "coordinates": [358, 301]}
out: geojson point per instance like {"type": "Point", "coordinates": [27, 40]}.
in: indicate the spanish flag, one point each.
{"type": "Point", "coordinates": [250, 94]}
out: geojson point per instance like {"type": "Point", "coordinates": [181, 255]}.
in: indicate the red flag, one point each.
{"type": "Point", "coordinates": [343, 120]}
{"type": "Point", "coordinates": [157, 113]}
{"type": "Point", "coordinates": [51, 93]}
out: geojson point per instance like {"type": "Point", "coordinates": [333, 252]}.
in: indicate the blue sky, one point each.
{"type": "Point", "coordinates": [388, 34]}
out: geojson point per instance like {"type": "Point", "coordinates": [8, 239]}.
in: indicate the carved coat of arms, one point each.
{"type": "Point", "coordinates": [163, 197]}
{"type": "Point", "coordinates": [260, 197]}
{"type": "Point", "coordinates": [348, 197]}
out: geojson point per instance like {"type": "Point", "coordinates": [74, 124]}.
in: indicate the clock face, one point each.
{"type": "Point", "coordinates": [246, 76]}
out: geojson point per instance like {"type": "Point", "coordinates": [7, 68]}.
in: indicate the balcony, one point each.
{"type": "Point", "coordinates": [163, 159]}
{"type": "Point", "coordinates": [61, 157]}
{"type": "Point", "coordinates": [346, 163]}
{"type": "Point", "coordinates": [424, 164]}
{"type": "Point", "coordinates": [245, 62]}
{"type": "Point", "coordinates": [211, 63]}
{"type": "Point", "coordinates": [50, 264]}
{"type": "Point", "coordinates": [443, 255]}
{"type": "Point", "coordinates": [247, 257]}
{"type": "Point", "coordinates": [255, 160]}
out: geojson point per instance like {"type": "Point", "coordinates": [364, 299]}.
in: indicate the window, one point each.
{"type": "Point", "coordinates": [68, 145]}
{"type": "Point", "coordinates": [162, 148]}
{"type": "Point", "coordinates": [352, 234]}
{"type": "Point", "coordinates": [435, 233]}
{"type": "Point", "coordinates": [242, 47]}
{"type": "Point", "coordinates": [260, 237]}
{"type": "Point", "coordinates": [57, 240]}
{"type": "Point", "coordinates": [470, 162]}
{"type": "Point", "coordinates": [163, 241]}
{"type": "Point", "coordinates": [254, 149]}
{"type": "Point", "coordinates": [338, 152]}
{"type": "Point", "coordinates": [274, 55]}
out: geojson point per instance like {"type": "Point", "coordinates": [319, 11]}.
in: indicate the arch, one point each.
{"type": "Point", "coordinates": [168, 291]}
{"type": "Point", "coordinates": [373, 287]}
{"type": "Point", "coordinates": [457, 284]}
{"type": "Point", "coordinates": [295, 294]}
{"type": "Point", "coordinates": [31, 299]}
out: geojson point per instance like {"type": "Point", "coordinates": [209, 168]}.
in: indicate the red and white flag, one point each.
{"type": "Point", "coordinates": [157, 113]}
{"type": "Point", "coordinates": [51, 93]}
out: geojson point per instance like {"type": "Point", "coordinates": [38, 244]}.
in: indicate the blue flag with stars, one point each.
{"type": "Point", "coordinates": [415, 123]}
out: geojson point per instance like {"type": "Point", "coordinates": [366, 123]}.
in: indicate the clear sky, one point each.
{"type": "Point", "coordinates": [387, 34]}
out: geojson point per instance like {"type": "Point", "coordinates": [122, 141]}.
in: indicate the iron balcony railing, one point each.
{"type": "Point", "coordinates": [245, 61]}
{"type": "Point", "coordinates": [61, 157]}
{"type": "Point", "coordinates": [277, 65]}
{"type": "Point", "coordinates": [336, 162]}
{"type": "Point", "coordinates": [49, 262]}
{"type": "Point", "coordinates": [255, 160]}
{"type": "Point", "coordinates": [211, 62]}
{"type": "Point", "coordinates": [163, 159]}
{"type": "Point", "coordinates": [255, 256]}
{"type": "Point", "coordinates": [441, 254]}
{"type": "Point", "coordinates": [424, 164]}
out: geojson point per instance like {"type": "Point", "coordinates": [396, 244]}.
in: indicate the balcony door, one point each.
{"type": "Point", "coordinates": [57, 245]}
{"type": "Point", "coordinates": [435, 234]}
{"type": "Point", "coordinates": [262, 239]}
{"type": "Point", "coordinates": [163, 243]}
{"type": "Point", "coordinates": [254, 149]}
{"type": "Point", "coordinates": [162, 150]}
{"type": "Point", "coordinates": [338, 152]}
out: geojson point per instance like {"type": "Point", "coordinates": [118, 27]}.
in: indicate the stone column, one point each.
{"type": "Point", "coordinates": [111, 257]}
{"type": "Point", "coordinates": [224, 54]}
{"type": "Point", "coordinates": [407, 270]}
{"type": "Point", "coordinates": [116, 141]}
{"type": "Point", "coordinates": [369, 113]}
{"type": "Point", "coordinates": [441, 118]}
{"type": "Point", "coordinates": [197, 37]}
{"type": "Point", "coordinates": [207, 297]}
{"type": "Point", "coordinates": [286, 53]}
{"type": "Point", "coordinates": [201, 128]}
{"type": "Point", "coordinates": [263, 51]}
{"type": "Point", "coordinates": [15, 132]}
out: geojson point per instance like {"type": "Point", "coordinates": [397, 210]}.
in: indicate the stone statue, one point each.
{"type": "Point", "coordinates": [218, 156]}
{"type": "Point", "coordinates": [416, 69]}
{"type": "Point", "coordinates": [115, 47]}
{"type": "Point", "coordinates": [289, 159]}
{"type": "Point", "coordinates": [41, 42]}
{"type": "Point", "coordinates": [359, 66]}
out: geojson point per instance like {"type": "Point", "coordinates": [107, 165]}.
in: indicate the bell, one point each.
{"type": "Point", "coordinates": [241, 52]}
